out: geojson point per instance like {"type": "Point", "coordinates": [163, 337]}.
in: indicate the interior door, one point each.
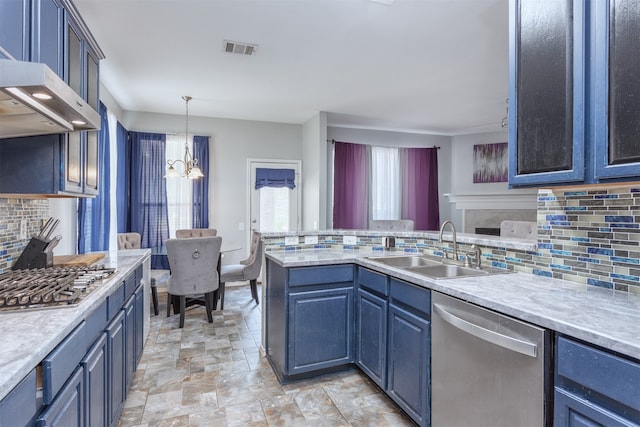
{"type": "Point", "coordinates": [274, 209]}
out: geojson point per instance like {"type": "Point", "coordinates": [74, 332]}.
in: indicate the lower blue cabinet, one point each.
{"type": "Point", "coordinates": [320, 329]}
{"type": "Point", "coordinates": [95, 379]}
{"type": "Point", "coordinates": [408, 365]}
{"type": "Point", "coordinates": [371, 336]}
{"type": "Point", "coordinates": [594, 387]}
{"type": "Point", "coordinates": [116, 345]}
{"type": "Point", "coordinates": [68, 407]}
{"type": "Point", "coordinates": [130, 334]}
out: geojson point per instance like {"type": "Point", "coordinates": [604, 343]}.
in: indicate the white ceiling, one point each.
{"type": "Point", "coordinates": [432, 66]}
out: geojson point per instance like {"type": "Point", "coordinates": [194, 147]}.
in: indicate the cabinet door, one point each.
{"type": "Point", "coordinates": [47, 35]}
{"type": "Point", "coordinates": [546, 111]}
{"type": "Point", "coordinates": [570, 410]}
{"type": "Point", "coordinates": [116, 345]}
{"type": "Point", "coordinates": [139, 326]}
{"type": "Point", "coordinates": [616, 89]}
{"type": "Point", "coordinates": [95, 379]}
{"type": "Point", "coordinates": [14, 28]}
{"type": "Point", "coordinates": [92, 79]}
{"type": "Point", "coordinates": [320, 329]}
{"type": "Point", "coordinates": [67, 410]}
{"type": "Point", "coordinates": [74, 54]}
{"type": "Point", "coordinates": [371, 336]}
{"type": "Point", "coordinates": [73, 165]}
{"type": "Point", "coordinates": [130, 318]}
{"type": "Point", "coordinates": [408, 367]}
{"type": "Point", "coordinates": [91, 163]}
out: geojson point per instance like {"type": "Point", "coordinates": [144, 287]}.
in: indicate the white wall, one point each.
{"type": "Point", "coordinates": [467, 195]}
{"type": "Point", "coordinates": [232, 142]}
{"type": "Point", "coordinates": [404, 139]}
{"type": "Point", "coordinates": [314, 173]}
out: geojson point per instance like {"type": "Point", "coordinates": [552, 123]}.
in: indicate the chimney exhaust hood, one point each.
{"type": "Point", "coordinates": [35, 101]}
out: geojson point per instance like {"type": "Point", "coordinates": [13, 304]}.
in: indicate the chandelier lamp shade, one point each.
{"type": "Point", "coordinates": [189, 164]}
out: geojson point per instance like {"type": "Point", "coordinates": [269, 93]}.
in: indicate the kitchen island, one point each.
{"type": "Point", "coordinates": [31, 337]}
{"type": "Point", "coordinates": [591, 326]}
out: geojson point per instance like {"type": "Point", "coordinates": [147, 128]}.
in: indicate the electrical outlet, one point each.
{"type": "Point", "coordinates": [291, 240]}
{"type": "Point", "coordinates": [23, 229]}
{"type": "Point", "coordinates": [310, 240]}
{"type": "Point", "coordinates": [349, 240]}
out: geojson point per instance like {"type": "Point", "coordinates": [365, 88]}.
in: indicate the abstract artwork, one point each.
{"type": "Point", "coordinates": [490, 163]}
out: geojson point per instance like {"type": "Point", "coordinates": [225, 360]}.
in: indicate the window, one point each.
{"type": "Point", "coordinates": [386, 189]}
{"type": "Point", "coordinates": [179, 190]}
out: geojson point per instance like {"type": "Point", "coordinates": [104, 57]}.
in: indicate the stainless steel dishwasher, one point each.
{"type": "Point", "coordinates": [487, 369]}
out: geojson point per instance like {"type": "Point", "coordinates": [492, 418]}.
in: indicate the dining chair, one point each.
{"type": "Point", "coordinates": [242, 272]}
{"type": "Point", "coordinates": [195, 232]}
{"type": "Point", "coordinates": [192, 272]}
{"type": "Point", "coordinates": [255, 238]}
{"type": "Point", "coordinates": [157, 277]}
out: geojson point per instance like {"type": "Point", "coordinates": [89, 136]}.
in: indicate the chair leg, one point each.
{"type": "Point", "coordinates": [183, 308]}
{"type": "Point", "coordinates": [216, 297]}
{"type": "Point", "coordinates": [221, 295]}
{"type": "Point", "coordinates": [154, 297]}
{"type": "Point", "coordinates": [168, 304]}
{"type": "Point", "coordinates": [254, 290]}
{"type": "Point", "coordinates": [208, 303]}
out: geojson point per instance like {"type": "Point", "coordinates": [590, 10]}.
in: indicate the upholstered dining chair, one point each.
{"type": "Point", "coordinates": [158, 277]}
{"type": "Point", "coordinates": [192, 272]}
{"type": "Point", "coordinates": [255, 238]}
{"type": "Point", "coordinates": [196, 232]}
{"type": "Point", "coordinates": [242, 272]}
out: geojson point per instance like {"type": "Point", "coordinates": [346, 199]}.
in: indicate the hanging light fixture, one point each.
{"type": "Point", "coordinates": [190, 164]}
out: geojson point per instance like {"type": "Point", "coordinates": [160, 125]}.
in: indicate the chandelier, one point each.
{"type": "Point", "coordinates": [189, 163]}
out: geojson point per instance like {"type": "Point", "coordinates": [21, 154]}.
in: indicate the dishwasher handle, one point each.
{"type": "Point", "coordinates": [513, 344]}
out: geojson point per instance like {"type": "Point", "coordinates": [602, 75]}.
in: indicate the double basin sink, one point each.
{"type": "Point", "coordinates": [436, 268]}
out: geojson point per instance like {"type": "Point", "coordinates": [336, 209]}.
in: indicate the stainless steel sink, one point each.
{"type": "Point", "coordinates": [407, 261]}
{"type": "Point", "coordinates": [436, 268]}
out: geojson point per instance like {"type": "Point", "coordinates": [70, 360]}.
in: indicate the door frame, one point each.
{"type": "Point", "coordinates": [250, 162]}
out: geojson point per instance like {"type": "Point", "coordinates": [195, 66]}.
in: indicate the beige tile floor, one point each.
{"type": "Point", "coordinates": [213, 375]}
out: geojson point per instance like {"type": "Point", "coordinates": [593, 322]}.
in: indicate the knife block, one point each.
{"type": "Point", "coordinates": [34, 255]}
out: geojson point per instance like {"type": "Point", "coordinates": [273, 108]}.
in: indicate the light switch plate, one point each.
{"type": "Point", "coordinates": [291, 240]}
{"type": "Point", "coordinates": [310, 240]}
{"type": "Point", "coordinates": [349, 240]}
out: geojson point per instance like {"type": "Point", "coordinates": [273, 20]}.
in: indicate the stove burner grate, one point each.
{"type": "Point", "coordinates": [49, 287]}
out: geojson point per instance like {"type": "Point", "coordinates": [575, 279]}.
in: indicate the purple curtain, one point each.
{"type": "Point", "coordinates": [349, 186]}
{"type": "Point", "coordinates": [420, 187]}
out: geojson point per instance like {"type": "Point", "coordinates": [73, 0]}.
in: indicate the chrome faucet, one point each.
{"type": "Point", "coordinates": [455, 243]}
{"type": "Point", "coordinates": [477, 257]}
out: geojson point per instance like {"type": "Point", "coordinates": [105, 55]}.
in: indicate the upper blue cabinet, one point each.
{"type": "Point", "coordinates": [574, 101]}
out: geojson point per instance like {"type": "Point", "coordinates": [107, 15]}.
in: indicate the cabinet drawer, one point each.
{"type": "Point", "coordinates": [130, 284]}
{"type": "Point", "coordinates": [595, 369]}
{"type": "Point", "coordinates": [308, 276]}
{"type": "Point", "coordinates": [96, 322]}
{"type": "Point", "coordinates": [373, 281]}
{"type": "Point", "coordinates": [410, 295]}
{"type": "Point", "coordinates": [115, 301]}
{"type": "Point", "coordinates": [20, 405]}
{"type": "Point", "coordinates": [61, 362]}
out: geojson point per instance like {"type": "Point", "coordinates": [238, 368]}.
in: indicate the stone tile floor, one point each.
{"type": "Point", "coordinates": [213, 375]}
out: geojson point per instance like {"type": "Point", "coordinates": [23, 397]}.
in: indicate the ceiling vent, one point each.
{"type": "Point", "coordinates": [240, 48]}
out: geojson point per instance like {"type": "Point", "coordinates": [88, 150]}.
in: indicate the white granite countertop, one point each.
{"type": "Point", "coordinates": [604, 317]}
{"type": "Point", "coordinates": [27, 337]}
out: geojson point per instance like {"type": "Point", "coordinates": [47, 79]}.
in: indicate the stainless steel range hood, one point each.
{"type": "Point", "coordinates": [35, 101]}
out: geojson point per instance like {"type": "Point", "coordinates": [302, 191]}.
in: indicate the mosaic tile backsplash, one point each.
{"type": "Point", "coordinates": [589, 236]}
{"type": "Point", "coordinates": [16, 213]}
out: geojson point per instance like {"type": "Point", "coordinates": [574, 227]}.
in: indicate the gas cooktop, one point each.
{"type": "Point", "coordinates": [49, 287]}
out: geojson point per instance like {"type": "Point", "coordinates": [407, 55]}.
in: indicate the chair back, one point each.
{"type": "Point", "coordinates": [129, 241]}
{"type": "Point", "coordinates": [251, 270]}
{"type": "Point", "coordinates": [195, 232]}
{"type": "Point", "coordinates": [255, 238]}
{"type": "Point", "coordinates": [193, 264]}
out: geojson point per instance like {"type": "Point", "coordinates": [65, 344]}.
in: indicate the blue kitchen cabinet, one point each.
{"type": "Point", "coordinates": [139, 321]}
{"type": "Point", "coordinates": [371, 325]}
{"type": "Point", "coordinates": [14, 28]}
{"type": "Point", "coordinates": [47, 34]}
{"type": "Point", "coordinates": [116, 347]}
{"type": "Point", "coordinates": [573, 94]}
{"type": "Point", "coordinates": [130, 334]}
{"type": "Point", "coordinates": [94, 365]}
{"type": "Point", "coordinates": [594, 387]}
{"type": "Point", "coordinates": [68, 408]}
{"type": "Point", "coordinates": [309, 319]}
{"type": "Point", "coordinates": [408, 376]}
{"type": "Point", "coordinates": [18, 408]}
